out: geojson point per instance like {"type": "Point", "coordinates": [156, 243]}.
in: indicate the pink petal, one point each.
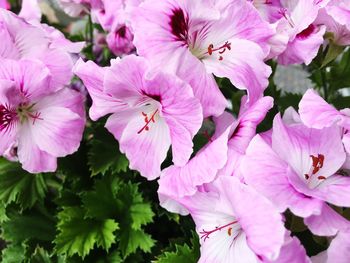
{"type": "Point", "coordinates": [334, 190]}
{"type": "Point", "coordinates": [339, 249]}
{"type": "Point", "coordinates": [93, 78]}
{"type": "Point", "coordinates": [30, 11]}
{"type": "Point", "coordinates": [32, 78]}
{"type": "Point", "coordinates": [292, 252]}
{"type": "Point", "coordinates": [296, 144]}
{"type": "Point", "coordinates": [146, 150]}
{"type": "Point", "coordinates": [8, 48]}
{"type": "Point", "coordinates": [32, 158]}
{"type": "Point", "coordinates": [315, 112]}
{"type": "Point", "coordinates": [58, 131]}
{"type": "Point", "coordinates": [328, 223]}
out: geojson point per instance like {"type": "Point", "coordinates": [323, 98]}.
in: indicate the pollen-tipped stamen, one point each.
{"type": "Point", "coordinates": [205, 234]}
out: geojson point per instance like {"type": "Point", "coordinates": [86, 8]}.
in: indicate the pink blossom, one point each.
{"type": "Point", "coordinates": [196, 40]}
{"type": "Point", "coordinates": [305, 37]}
{"type": "Point", "coordinates": [150, 111]}
{"type": "Point", "coordinates": [38, 122]}
{"type": "Point", "coordinates": [25, 41]}
{"type": "Point", "coordinates": [315, 112]}
{"type": "Point", "coordinates": [120, 39]}
{"type": "Point", "coordinates": [298, 170]}
{"type": "Point", "coordinates": [234, 222]}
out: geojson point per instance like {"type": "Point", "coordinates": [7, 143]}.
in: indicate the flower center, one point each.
{"type": "Point", "coordinates": [7, 117]}
{"type": "Point", "coordinates": [205, 234]}
{"type": "Point", "coordinates": [148, 118]}
{"type": "Point", "coordinates": [317, 164]}
{"type": "Point", "coordinates": [25, 112]}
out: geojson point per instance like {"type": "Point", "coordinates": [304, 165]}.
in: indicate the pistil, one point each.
{"type": "Point", "coordinates": [205, 234]}
{"type": "Point", "coordinates": [148, 120]}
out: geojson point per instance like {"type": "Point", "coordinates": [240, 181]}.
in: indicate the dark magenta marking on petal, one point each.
{"type": "Point", "coordinates": [306, 32]}
{"type": "Point", "coordinates": [179, 24]}
{"type": "Point", "coordinates": [122, 32]}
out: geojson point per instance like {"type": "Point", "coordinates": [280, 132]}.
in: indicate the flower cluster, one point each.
{"type": "Point", "coordinates": [162, 91]}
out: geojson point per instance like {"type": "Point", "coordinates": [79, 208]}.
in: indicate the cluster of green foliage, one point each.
{"type": "Point", "coordinates": [95, 209]}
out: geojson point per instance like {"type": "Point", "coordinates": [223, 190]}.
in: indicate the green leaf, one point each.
{"type": "Point", "coordinates": [104, 154]}
{"type": "Point", "coordinates": [40, 255]}
{"type": "Point", "coordinates": [3, 215]}
{"type": "Point", "coordinates": [133, 214]}
{"type": "Point", "coordinates": [131, 240]}
{"type": "Point", "coordinates": [14, 253]}
{"type": "Point", "coordinates": [19, 186]}
{"type": "Point", "coordinates": [28, 226]}
{"type": "Point", "coordinates": [104, 192]}
{"type": "Point", "coordinates": [78, 235]}
{"type": "Point", "coordinates": [124, 202]}
{"type": "Point", "coordinates": [182, 254]}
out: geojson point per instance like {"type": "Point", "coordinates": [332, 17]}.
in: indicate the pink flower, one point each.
{"type": "Point", "coordinates": [120, 40]}
{"type": "Point", "coordinates": [305, 37]}
{"type": "Point", "coordinates": [38, 123]}
{"type": "Point", "coordinates": [234, 222]}
{"type": "Point", "coordinates": [195, 40]}
{"type": "Point", "coordinates": [114, 17]}
{"type": "Point", "coordinates": [21, 40]}
{"type": "Point", "coordinates": [315, 112]}
{"type": "Point", "coordinates": [298, 170]}
{"type": "Point", "coordinates": [150, 111]}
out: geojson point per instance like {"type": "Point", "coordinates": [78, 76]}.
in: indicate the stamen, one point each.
{"type": "Point", "coordinates": [35, 116]}
{"type": "Point", "coordinates": [284, 13]}
{"type": "Point", "coordinates": [205, 234]}
{"type": "Point", "coordinates": [317, 164]}
{"type": "Point", "coordinates": [221, 50]}
{"type": "Point", "coordinates": [147, 121]}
